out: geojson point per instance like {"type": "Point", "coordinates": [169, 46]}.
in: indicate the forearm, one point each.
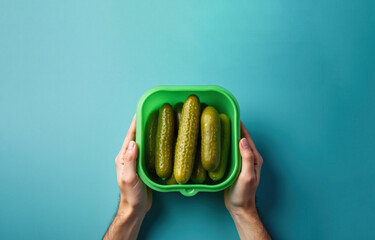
{"type": "Point", "coordinates": [250, 226]}
{"type": "Point", "coordinates": [125, 225]}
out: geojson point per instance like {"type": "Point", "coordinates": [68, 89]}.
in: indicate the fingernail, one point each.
{"type": "Point", "coordinates": [244, 143]}
{"type": "Point", "coordinates": [131, 145]}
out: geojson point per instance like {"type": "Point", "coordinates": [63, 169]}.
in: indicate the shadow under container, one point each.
{"type": "Point", "coordinates": [212, 95]}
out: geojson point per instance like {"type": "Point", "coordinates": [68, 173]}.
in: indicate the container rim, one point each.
{"type": "Point", "coordinates": [190, 189]}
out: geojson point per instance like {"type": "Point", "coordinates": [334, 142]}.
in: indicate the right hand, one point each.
{"type": "Point", "coordinates": [240, 197]}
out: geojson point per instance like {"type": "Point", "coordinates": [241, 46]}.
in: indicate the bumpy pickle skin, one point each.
{"type": "Point", "coordinates": [199, 174]}
{"type": "Point", "coordinates": [219, 173]}
{"type": "Point", "coordinates": [164, 142]}
{"type": "Point", "coordinates": [210, 138]}
{"type": "Point", "coordinates": [150, 136]}
{"type": "Point", "coordinates": [187, 138]}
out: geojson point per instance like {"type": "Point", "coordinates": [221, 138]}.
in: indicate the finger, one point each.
{"type": "Point", "coordinates": [130, 135]}
{"type": "Point", "coordinates": [127, 165]}
{"type": "Point", "coordinates": [149, 197]}
{"type": "Point", "coordinates": [248, 170]}
{"type": "Point", "coordinates": [130, 158]}
{"type": "Point", "coordinates": [258, 160]}
{"type": "Point", "coordinates": [258, 166]}
{"type": "Point", "coordinates": [247, 135]}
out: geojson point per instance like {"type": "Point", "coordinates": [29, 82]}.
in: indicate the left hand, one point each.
{"type": "Point", "coordinates": [135, 195]}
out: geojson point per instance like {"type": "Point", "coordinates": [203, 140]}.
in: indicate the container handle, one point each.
{"type": "Point", "coordinates": [189, 192]}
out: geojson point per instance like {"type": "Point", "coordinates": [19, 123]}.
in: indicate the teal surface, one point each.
{"type": "Point", "coordinates": [71, 74]}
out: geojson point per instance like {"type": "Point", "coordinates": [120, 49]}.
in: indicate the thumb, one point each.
{"type": "Point", "coordinates": [130, 160]}
{"type": "Point", "coordinates": [248, 169]}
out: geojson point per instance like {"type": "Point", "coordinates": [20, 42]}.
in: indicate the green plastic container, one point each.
{"type": "Point", "coordinates": [212, 95]}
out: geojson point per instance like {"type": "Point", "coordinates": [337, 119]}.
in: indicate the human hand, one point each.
{"type": "Point", "coordinates": [240, 197]}
{"type": "Point", "coordinates": [135, 196]}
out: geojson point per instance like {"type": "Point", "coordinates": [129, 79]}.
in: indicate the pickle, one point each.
{"type": "Point", "coordinates": [151, 127]}
{"type": "Point", "coordinates": [164, 142]}
{"type": "Point", "coordinates": [171, 180]}
{"type": "Point", "coordinates": [187, 137]}
{"type": "Point", "coordinates": [199, 173]}
{"type": "Point", "coordinates": [210, 138]}
{"type": "Point", "coordinates": [177, 113]}
{"type": "Point", "coordinates": [218, 174]}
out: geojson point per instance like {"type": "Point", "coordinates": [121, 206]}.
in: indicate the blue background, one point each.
{"type": "Point", "coordinates": [71, 73]}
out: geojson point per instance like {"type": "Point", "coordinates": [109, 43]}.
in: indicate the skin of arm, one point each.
{"type": "Point", "coordinates": [240, 197]}
{"type": "Point", "coordinates": [135, 197]}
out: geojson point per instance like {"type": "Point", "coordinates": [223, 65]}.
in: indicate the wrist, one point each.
{"type": "Point", "coordinates": [128, 213]}
{"type": "Point", "coordinates": [134, 206]}
{"type": "Point", "coordinates": [244, 214]}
